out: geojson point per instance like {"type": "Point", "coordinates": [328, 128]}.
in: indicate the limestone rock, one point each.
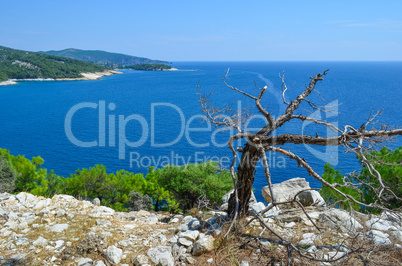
{"type": "Point", "coordinates": [185, 242]}
{"type": "Point", "coordinates": [203, 245]}
{"type": "Point", "coordinates": [86, 262]}
{"type": "Point", "coordinates": [225, 198]}
{"type": "Point", "coordinates": [190, 235]}
{"type": "Point", "coordinates": [96, 202]}
{"type": "Point", "coordinates": [113, 254]}
{"type": "Point", "coordinates": [140, 260]}
{"type": "Point", "coordinates": [339, 219]}
{"type": "Point", "coordinates": [40, 241]}
{"type": "Point", "coordinates": [286, 190]}
{"type": "Point", "coordinates": [161, 255]}
{"type": "Point", "coordinates": [256, 207]}
{"type": "Point", "coordinates": [311, 198]}
{"type": "Point", "coordinates": [379, 238]}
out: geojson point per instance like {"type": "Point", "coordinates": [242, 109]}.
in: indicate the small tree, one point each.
{"type": "Point", "coordinates": [7, 176]}
{"type": "Point", "coordinates": [358, 140]}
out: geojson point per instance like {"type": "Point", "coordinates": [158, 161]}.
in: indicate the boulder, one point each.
{"type": "Point", "coordinates": [203, 245]}
{"type": "Point", "coordinates": [286, 190]}
{"type": "Point", "coordinates": [161, 255]}
{"type": "Point", "coordinates": [311, 198]}
{"type": "Point", "coordinates": [113, 254]}
{"type": "Point", "coordinates": [225, 198]}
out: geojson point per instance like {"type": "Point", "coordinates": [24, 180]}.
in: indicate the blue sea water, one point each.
{"type": "Point", "coordinates": [151, 118]}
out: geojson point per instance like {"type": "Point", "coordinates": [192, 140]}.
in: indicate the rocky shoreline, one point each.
{"type": "Point", "coordinates": [86, 76]}
{"type": "Point", "coordinates": [65, 231]}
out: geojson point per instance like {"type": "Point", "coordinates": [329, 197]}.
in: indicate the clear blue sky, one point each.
{"type": "Point", "coordinates": [206, 30]}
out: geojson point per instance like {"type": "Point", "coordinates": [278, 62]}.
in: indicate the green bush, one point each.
{"type": "Point", "coordinates": [137, 201]}
{"type": "Point", "coordinates": [7, 176]}
{"type": "Point", "coordinates": [189, 182]}
{"type": "Point", "coordinates": [387, 163]}
{"type": "Point", "coordinates": [331, 197]}
{"type": "Point", "coordinates": [29, 174]}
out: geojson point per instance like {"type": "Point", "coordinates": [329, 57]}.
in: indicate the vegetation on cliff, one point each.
{"type": "Point", "coordinates": [121, 190]}
{"type": "Point", "coordinates": [366, 186]}
{"type": "Point", "coordinates": [148, 67]}
{"type": "Point", "coordinates": [19, 64]}
{"type": "Point", "coordinates": [114, 60]}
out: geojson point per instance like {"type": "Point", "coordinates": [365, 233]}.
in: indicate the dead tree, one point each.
{"type": "Point", "coordinates": [356, 140]}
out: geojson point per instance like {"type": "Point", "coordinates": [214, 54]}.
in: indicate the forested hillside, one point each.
{"type": "Point", "coordinates": [113, 60]}
{"type": "Point", "coordinates": [19, 64]}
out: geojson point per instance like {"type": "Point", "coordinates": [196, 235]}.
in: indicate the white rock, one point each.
{"type": "Point", "coordinates": [211, 260]}
{"type": "Point", "coordinates": [190, 234]}
{"type": "Point", "coordinates": [290, 225]}
{"type": "Point", "coordinates": [152, 219]}
{"type": "Point", "coordinates": [86, 262]}
{"type": "Point", "coordinates": [225, 198]}
{"type": "Point", "coordinates": [194, 224]}
{"type": "Point", "coordinates": [100, 263]}
{"type": "Point", "coordinates": [380, 224]}
{"type": "Point", "coordinates": [40, 241]}
{"type": "Point", "coordinates": [397, 235]}
{"type": "Point", "coordinates": [161, 255]}
{"type": "Point", "coordinates": [379, 238]}
{"type": "Point", "coordinates": [25, 198]}
{"type": "Point", "coordinates": [59, 227]}
{"type": "Point", "coordinates": [244, 263]}
{"type": "Point", "coordinates": [339, 219]}
{"type": "Point", "coordinates": [311, 198]}
{"type": "Point", "coordinates": [174, 220]}
{"type": "Point", "coordinates": [113, 254]}
{"type": "Point", "coordinates": [308, 239]}
{"type": "Point", "coordinates": [59, 244]}
{"type": "Point", "coordinates": [41, 204]}
{"type": "Point", "coordinates": [203, 245]}
{"type": "Point", "coordinates": [185, 241]}
{"type": "Point", "coordinates": [256, 207]}
{"type": "Point", "coordinates": [96, 202]}
{"type": "Point", "coordinates": [141, 260]}
{"type": "Point", "coordinates": [286, 190]}
{"type": "Point", "coordinates": [182, 227]}
{"type": "Point", "coordinates": [333, 255]}
{"type": "Point", "coordinates": [187, 219]}
{"type": "Point", "coordinates": [173, 239]}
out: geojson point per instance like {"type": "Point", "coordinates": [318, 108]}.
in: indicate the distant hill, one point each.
{"type": "Point", "coordinates": [103, 58]}
{"type": "Point", "coordinates": [19, 64]}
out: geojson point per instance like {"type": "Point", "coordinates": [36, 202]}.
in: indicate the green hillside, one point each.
{"type": "Point", "coordinates": [19, 64]}
{"type": "Point", "coordinates": [148, 67]}
{"type": "Point", "coordinates": [113, 60]}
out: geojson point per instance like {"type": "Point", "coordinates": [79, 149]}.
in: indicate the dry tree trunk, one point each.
{"type": "Point", "coordinates": [245, 180]}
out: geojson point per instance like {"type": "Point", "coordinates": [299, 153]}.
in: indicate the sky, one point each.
{"type": "Point", "coordinates": [220, 30]}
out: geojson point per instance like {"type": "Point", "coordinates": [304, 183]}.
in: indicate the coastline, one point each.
{"type": "Point", "coordinates": [86, 76]}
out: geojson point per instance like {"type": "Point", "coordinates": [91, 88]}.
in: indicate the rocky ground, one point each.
{"type": "Point", "coordinates": [66, 231]}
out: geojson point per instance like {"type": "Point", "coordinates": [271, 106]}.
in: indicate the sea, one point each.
{"type": "Point", "coordinates": [140, 119]}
